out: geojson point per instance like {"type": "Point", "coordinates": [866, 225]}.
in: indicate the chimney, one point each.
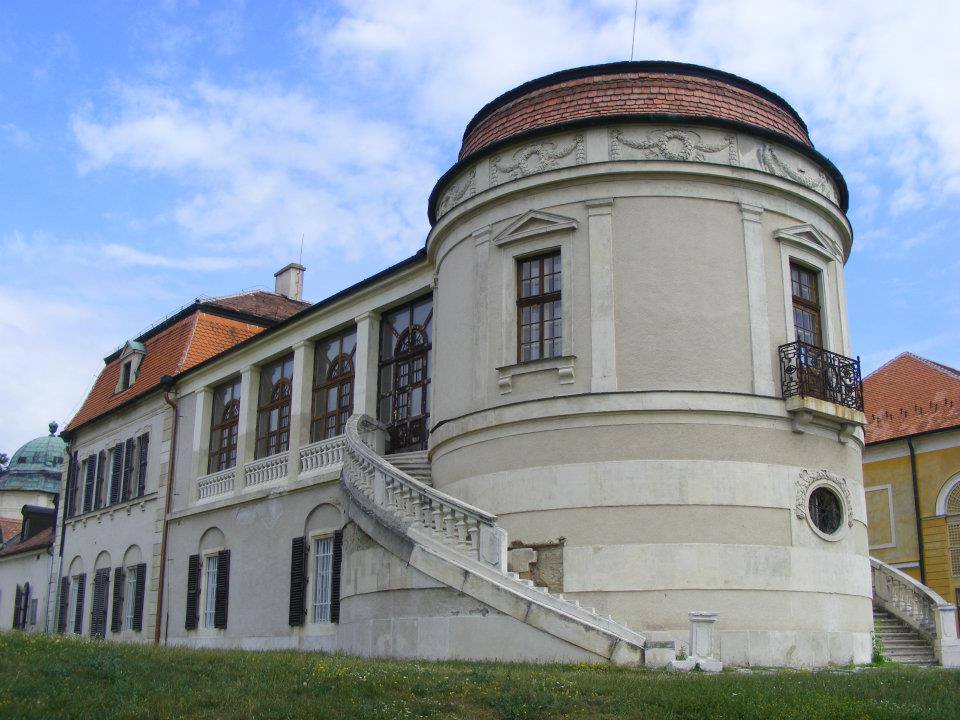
{"type": "Point", "coordinates": [289, 281]}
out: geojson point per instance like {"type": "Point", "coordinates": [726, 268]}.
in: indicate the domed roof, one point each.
{"type": "Point", "coordinates": [633, 90]}
{"type": "Point", "coordinates": [37, 465]}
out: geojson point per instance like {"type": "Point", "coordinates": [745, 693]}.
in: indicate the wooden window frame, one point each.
{"type": "Point", "coordinates": [540, 300]}
{"type": "Point", "coordinates": [227, 422]}
{"type": "Point", "coordinates": [814, 308]}
{"type": "Point", "coordinates": [281, 396]}
{"type": "Point", "coordinates": [344, 382]}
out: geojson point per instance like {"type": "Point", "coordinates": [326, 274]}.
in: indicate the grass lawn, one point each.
{"type": "Point", "coordinates": [58, 677]}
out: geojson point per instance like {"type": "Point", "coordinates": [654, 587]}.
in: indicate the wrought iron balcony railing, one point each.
{"type": "Point", "coordinates": [810, 371]}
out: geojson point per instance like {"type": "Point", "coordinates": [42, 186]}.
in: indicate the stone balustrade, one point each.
{"type": "Point", "coordinates": [273, 467]}
{"type": "Point", "coordinates": [322, 454]}
{"type": "Point", "coordinates": [218, 483]}
{"type": "Point", "coordinates": [441, 517]}
{"type": "Point", "coordinates": [919, 607]}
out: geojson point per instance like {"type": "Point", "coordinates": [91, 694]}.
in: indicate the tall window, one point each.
{"type": "Point", "coordinates": [210, 591]}
{"type": "Point", "coordinates": [129, 597]}
{"type": "Point", "coordinates": [273, 409]}
{"type": "Point", "coordinates": [323, 573]}
{"type": "Point", "coordinates": [405, 367]}
{"type": "Point", "coordinates": [101, 499]}
{"type": "Point", "coordinates": [806, 304]}
{"type": "Point", "coordinates": [224, 421]}
{"type": "Point", "coordinates": [539, 313]}
{"type": "Point", "coordinates": [333, 385]}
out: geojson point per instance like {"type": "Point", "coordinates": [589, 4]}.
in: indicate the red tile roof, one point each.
{"type": "Point", "coordinates": [10, 527]}
{"type": "Point", "coordinates": [260, 303]}
{"type": "Point", "coordinates": [910, 395]}
{"type": "Point", "coordinates": [611, 94]}
{"type": "Point", "coordinates": [42, 539]}
{"type": "Point", "coordinates": [197, 336]}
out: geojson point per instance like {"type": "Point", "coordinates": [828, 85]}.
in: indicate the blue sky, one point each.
{"type": "Point", "coordinates": [154, 152]}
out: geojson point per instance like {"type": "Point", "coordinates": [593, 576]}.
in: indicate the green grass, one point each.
{"type": "Point", "coordinates": [57, 677]}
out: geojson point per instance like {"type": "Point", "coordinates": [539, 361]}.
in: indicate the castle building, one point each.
{"type": "Point", "coordinates": [911, 474]}
{"type": "Point", "coordinates": [608, 412]}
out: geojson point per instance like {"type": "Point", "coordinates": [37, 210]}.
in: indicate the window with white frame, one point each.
{"type": "Point", "coordinates": [129, 597]}
{"type": "Point", "coordinates": [323, 578]}
{"type": "Point", "coordinates": [210, 591]}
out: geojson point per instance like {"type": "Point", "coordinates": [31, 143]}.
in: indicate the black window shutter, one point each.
{"type": "Point", "coordinates": [73, 473]}
{"type": "Point", "coordinates": [101, 606]}
{"type": "Point", "coordinates": [335, 576]}
{"type": "Point", "coordinates": [16, 607]}
{"type": "Point", "coordinates": [193, 592]}
{"type": "Point", "coordinates": [115, 468]}
{"type": "Point", "coordinates": [88, 483]}
{"type": "Point", "coordinates": [223, 589]}
{"type": "Point", "coordinates": [142, 470]}
{"type": "Point", "coordinates": [139, 588]}
{"type": "Point", "coordinates": [78, 613]}
{"type": "Point", "coordinates": [127, 470]}
{"type": "Point", "coordinates": [116, 619]}
{"type": "Point", "coordinates": [298, 581]}
{"type": "Point", "coordinates": [64, 604]}
{"type": "Point", "coordinates": [100, 496]}
{"type": "Point", "coordinates": [24, 605]}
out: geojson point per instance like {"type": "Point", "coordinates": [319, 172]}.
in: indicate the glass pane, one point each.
{"type": "Point", "coordinates": [331, 399]}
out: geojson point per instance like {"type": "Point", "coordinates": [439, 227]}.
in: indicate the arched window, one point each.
{"type": "Point", "coordinates": [333, 385]}
{"type": "Point", "coordinates": [273, 411]}
{"type": "Point", "coordinates": [224, 423]}
{"type": "Point", "coordinates": [953, 500]}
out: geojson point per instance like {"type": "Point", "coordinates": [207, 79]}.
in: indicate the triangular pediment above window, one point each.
{"type": "Point", "coordinates": [811, 238]}
{"type": "Point", "coordinates": [534, 223]}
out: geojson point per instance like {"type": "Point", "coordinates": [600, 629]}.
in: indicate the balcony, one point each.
{"type": "Point", "coordinates": [817, 382]}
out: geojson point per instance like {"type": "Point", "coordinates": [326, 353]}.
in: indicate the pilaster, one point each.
{"type": "Point", "coordinates": [201, 435]}
{"type": "Point", "coordinates": [758, 315]}
{"type": "Point", "coordinates": [366, 364]}
{"type": "Point", "coordinates": [247, 422]}
{"type": "Point", "coordinates": [300, 403]}
{"type": "Point", "coordinates": [482, 313]}
{"type": "Point", "coordinates": [603, 342]}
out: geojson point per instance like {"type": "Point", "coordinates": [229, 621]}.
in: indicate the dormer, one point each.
{"type": "Point", "coordinates": [130, 358]}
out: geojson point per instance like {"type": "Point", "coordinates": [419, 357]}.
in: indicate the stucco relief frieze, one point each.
{"type": "Point", "coordinates": [773, 161]}
{"type": "Point", "coordinates": [809, 479]}
{"type": "Point", "coordinates": [675, 144]}
{"type": "Point", "coordinates": [536, 158]}
{"type": "Point", "coordinates": [464, 188]}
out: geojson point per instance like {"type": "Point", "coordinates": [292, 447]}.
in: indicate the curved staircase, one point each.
{"type": "Point", "coordinates": [462, 546]}
{"type": "Point", "coordinates": [901, 643]}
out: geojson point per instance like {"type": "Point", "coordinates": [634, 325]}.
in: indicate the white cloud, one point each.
{"type": "Point", "coordinates": [260, 168]}
{"type": "Point", "coordinates": [131, 256]}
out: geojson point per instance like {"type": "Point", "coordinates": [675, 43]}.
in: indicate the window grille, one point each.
{"type": "Point", "coordinates": [323, 572]}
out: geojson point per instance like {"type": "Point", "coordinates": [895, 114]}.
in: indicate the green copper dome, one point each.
{"type": "Point", "coordinates": [37, 465]}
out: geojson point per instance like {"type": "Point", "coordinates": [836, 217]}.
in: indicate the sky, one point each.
{"type": "Point", "coordinates": [151, 153]}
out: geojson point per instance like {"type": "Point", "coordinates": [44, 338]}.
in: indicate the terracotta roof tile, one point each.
{"type": "Point", "coordinates": [10, 527]}
{"type": "Point", "coordinates": [41, 540]}
{"type": "Point", "coordinates": [631, 93]}
{"type": "Point", "coordinates": [260, 303]}
{"type": "Point", "coordinates": [194, 338]}
{"type": "Point", "coordinates": [910, 395]}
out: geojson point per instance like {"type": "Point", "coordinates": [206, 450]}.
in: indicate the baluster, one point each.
{"type": "Point", "coordinates": [473, 541]}
{"type": "Point", "coordinates": [436, 518]}
{"type": "Point", "coordinates": [449, 532]}
{"type": "Point", "coordinates": [460, 527]}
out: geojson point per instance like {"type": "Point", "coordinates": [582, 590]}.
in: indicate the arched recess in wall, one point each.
{"type": "Point", "coordinates": [948, 501]}
{"type": "Point", "coordinates": [76, 566]}
{"type": "Point", "coordinates": [323, 518]}
{"type": "Point", "coordinates": [212, 539]}
{"type": "Point", "coordinates": [103, 561]}
{"type": "Point", "coordinates": [132, 556]}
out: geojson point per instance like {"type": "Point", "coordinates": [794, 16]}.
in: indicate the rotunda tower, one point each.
{"type": "Point", "coordinates": [643, 361]}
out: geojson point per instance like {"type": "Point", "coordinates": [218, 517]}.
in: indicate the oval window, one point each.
{"type": "Point", "coordinates": [826, 510]}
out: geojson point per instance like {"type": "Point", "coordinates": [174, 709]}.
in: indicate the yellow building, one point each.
{"type": "Point", "coordinates": [911, 470]}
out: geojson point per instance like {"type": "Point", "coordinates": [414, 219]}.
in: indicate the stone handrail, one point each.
{"type": "Point", "coordinates": [217, 483]}
{"type": "Point", "coordinates": [918, 606]}
{"type": "Point", "coordinates": [452, 522]}
{"type": "Point", "coordinates": [321, 454]}
{"type": "Point", "coordinates": [272, 467]}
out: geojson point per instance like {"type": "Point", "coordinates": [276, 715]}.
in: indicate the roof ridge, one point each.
{"type": "Point", "coordinates": [186, 346]}
{"type": "Point", "coordinates": [889, 362]}
{"type": "Point", "coordinates": [250, 291]}
{"type": "Point", "coordinates": [940, 367]}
